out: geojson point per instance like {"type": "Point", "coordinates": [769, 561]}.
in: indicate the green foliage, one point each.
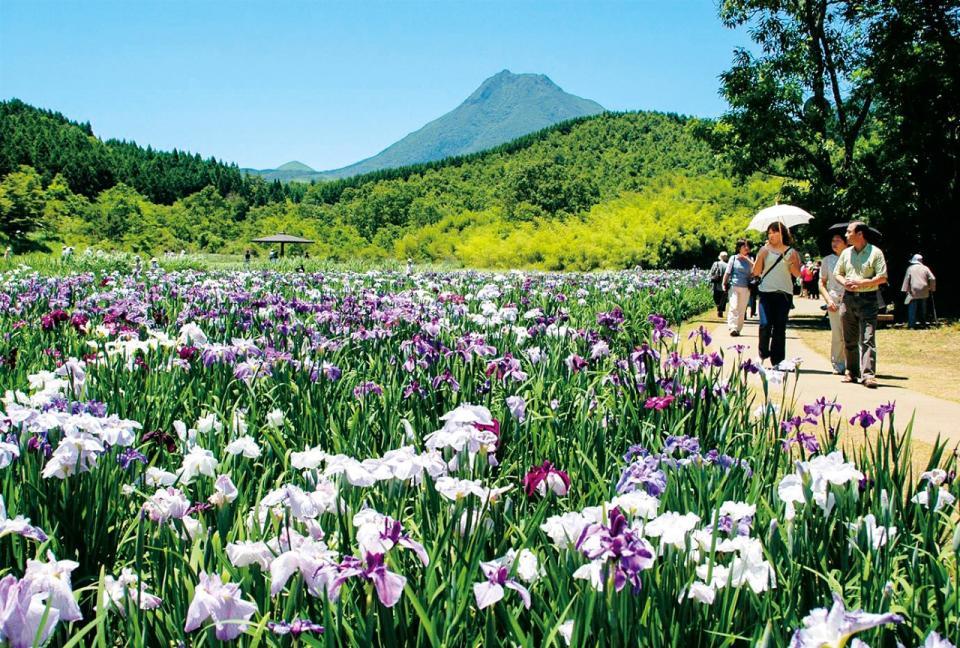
{"type": "Point", "coordinates": [22, 206]}
{"type": "Point", "coordinates": [679, 221]}
{"type": "Point", "coordinates": [614, 190]}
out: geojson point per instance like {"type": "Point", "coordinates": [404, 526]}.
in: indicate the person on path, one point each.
{"type": "Point", "coordinates": [918, 283]}
{"type": "Point", "coordinates": [736, 280]}
{"type": "Point", "coordinates": [717, 270]}
{"type": "Point", "coordinates": [862, 270]}
{"type": "Point", "coordinates": [777, 265]}
{"type": "Point", "coordinates": [832, 291]}
{"type": "Point", "coordinates": [806, 276]}
{"type": "Point", "coordinates": [815, 284]}
{"type": "Point", "coordinates": [246, 257]}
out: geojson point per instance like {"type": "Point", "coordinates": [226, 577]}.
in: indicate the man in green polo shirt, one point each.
{"type": "Point", "coordinates": [861, 269]}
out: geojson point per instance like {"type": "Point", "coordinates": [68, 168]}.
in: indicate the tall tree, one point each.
{"type": "Point", "coordinates": [800, 103]}
{"type": "Point", "coordinates": [915, 67]}
{"type": "Point", "coordinates": [22, 202]}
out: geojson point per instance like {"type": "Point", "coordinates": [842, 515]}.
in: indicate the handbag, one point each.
{"type": "Point", "coordinates": [756, 281]}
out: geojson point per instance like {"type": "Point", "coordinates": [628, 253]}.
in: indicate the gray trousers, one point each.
{"type": "Point", "coordinates": [859, 318]}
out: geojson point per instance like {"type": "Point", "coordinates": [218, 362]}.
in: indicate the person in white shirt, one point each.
{"type": "Point", "coordinates": [832, 291]}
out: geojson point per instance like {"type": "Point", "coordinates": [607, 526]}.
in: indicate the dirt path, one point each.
{"type": "Point", "coordinates": [933, 415]}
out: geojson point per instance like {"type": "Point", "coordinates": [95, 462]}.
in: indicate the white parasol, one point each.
{"type": "Point", "coordinates": [786, 214]}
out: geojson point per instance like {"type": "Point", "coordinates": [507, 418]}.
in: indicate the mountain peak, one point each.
{"type": "Point", "coordinates": [504, 107]}
{"type": "Point", "coordinates": [295, 166]}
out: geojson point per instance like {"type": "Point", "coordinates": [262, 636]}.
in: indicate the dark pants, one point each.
{"type": "Point", "coordinates": [720, 299]}
{"type": "Point", "coordinates": [753, 301]}
{"type": "Point", "coordinates": [774, 311]}
{"type": "Point", "coordinates": [914, 308]}
{"type": "Point", "coordinates": [859, 317]}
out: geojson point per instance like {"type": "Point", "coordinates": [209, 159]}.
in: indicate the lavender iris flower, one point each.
{"type": "Point", "coordinates": [644, 473]}
{"type": "Point", "coordinates": [490, 591]}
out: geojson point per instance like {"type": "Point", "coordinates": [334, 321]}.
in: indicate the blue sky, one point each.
{"type": "Point", "coordinates": [329, 83]}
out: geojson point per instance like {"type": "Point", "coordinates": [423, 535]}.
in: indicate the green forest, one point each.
{"type": "Point", "coordinates": [616, 190]}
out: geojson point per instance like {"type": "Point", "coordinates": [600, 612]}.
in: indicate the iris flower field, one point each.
{"type": "Point", "coordinates": [261, 458]}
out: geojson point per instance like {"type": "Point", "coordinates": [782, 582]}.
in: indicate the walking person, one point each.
{"type": "Point", "coordinates": [832, 290]}
{"type": "Point", "coordinates": [717, 270]}
{"type": "Point", "coordinates": [806, 277]}
{"type": "Point", "coordinates": [777, 265]}
{"type": "Point", "coordinates": [918, 283]}
{"type": "Point", "coordinates": [815, 284]}
{"type": "Point", "coordinates": [737, 282]}
{"type": "Point", "coordinates": [862, 270]}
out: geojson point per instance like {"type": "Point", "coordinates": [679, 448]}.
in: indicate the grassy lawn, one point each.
{"type": "Point", "coordinates": [928, 358]}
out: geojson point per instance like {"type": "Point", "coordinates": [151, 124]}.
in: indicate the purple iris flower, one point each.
{"type": "Point", "coordinates": [446, 378]}
{"type": "Point", "coordinates": [644, 473]}
{"type": "Point", "coordinates": [575, 363]}
{"type": "Point", "coordinates": [820, 406]}
{"type": "Point", "coordinates": [660, 330]}
{"type": "Point", "coordinates": [130, 455]}
{"type": "Point", "coordinates": [885, 409]}
{"type": "Point", "coordinates": [389, 586]}
{"type": "Point", "coordinates": [611, 320]}
{"type": "Point", "coordinates": [295, 628]}
{"type": "Point", "coordinates": [492, 590]}
{"type": "Point", "coordinates": [331, 372]}
{"type": "Point", "coordinates": [864, 418]}
{"type": "Point", "coordinates": [635, 451]}
{"type": "Point", "coordinates": [703, 334]}
{"type": "Point", "coordinates": [623, 550]}
{"type": "Point", "coordinates": [683, 443]}
{"type": "Point", "coordinates": [369, 387]}
{"type": "Point", "coordinates": [808, 441]}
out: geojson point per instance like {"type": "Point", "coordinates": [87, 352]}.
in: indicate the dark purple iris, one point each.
{"type": "Point", "coordinates": [294, 628]}
{"type": "Point", "coordinates": [863, 418]}
{"type": "Point", "coordinates": [129, 456]}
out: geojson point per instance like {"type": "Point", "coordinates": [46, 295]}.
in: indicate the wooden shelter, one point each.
{"type": "Point", "coordinates": [283, 239]}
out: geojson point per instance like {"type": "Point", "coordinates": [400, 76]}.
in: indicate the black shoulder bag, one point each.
{"type": "Point", "coordinates": [756, 281]}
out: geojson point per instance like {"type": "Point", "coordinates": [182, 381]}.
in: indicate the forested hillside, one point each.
{"type": "Point", "coordinates": [607, 191]}
{"type": "Point", "coordinates": [52, 145]}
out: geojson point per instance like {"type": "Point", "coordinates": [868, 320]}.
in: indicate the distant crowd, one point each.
{"type": "Point", "coordinates": [848, 280]}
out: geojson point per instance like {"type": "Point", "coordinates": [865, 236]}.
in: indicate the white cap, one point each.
{"type": "Point", "coordinates": [917, 258]}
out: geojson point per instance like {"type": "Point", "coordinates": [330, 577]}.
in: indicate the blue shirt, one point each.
{"type": "Point", "coordinates": [739, 271]}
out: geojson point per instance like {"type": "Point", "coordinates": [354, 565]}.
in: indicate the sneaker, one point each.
{"type": "Point", "coordinates": [734, 333]}
{"type": "Point", "coordinates": [870, 383]}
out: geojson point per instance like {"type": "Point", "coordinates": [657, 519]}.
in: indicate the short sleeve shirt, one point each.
{"type": "Point", "coordinates": [868, 263]}
{"type": "Point", "coordinates": [739, 271]}
{"type": "Point", "coordinates": [834, 287]}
